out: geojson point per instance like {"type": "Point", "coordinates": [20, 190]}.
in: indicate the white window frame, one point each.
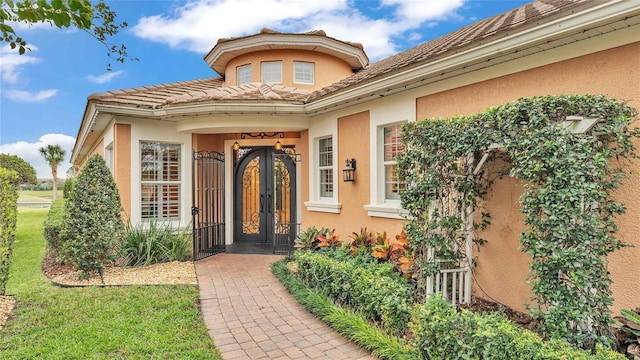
{"type": "Point", "coordinates": [271, 71]}
{"type": "Point", "coordinates": [321, 168]}
{"type": "Point", "coordinates": [381, 206]}
{"type": "Point", "coordinates": [387, 163]}
{"type": "Point", "coordinates": [241, 74]}
{"type": "Point", "coordinates": [108, 156]}
{"type": "Point", "coordinates": [322, 130]}
{"type": "Point", "coordinates": [303, 72]}
{"type": "Point", "coordinates": [159, 181]}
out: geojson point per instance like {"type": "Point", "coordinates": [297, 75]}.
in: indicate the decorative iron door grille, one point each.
{"type": "Point", "coordinates": [285, 225]}
{"type": "Point", "coordinates": [208, 204]}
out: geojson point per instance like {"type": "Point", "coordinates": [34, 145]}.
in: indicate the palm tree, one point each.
{"type": "Point", "coordinates": [53, 154]}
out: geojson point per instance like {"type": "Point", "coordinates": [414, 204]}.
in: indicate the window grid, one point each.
{"type": "Point", "coordinates": [244, 74]}
{"type": "Point", "coordinates": [325, 165]}
{"type": "Point", "coordinates": [303, 72]}
{"type": "Point", "coordinates": [392, 147]}
{"type": "Point", "coordinates": [272, 72]}
{"type": "Point", "coordinates": [160, 181]}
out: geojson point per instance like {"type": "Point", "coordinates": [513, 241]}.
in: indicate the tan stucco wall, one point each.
{"type": "Point", "coordinates": [122, 164]}
{"type": "Point", "coordinates": [97, 149]}
{"type": "Point", "coordinates": [502, 269]}
{"type": "Point", "coordinates": [328, 69]}
{"type": "Point", "coordinates": [353, 142]}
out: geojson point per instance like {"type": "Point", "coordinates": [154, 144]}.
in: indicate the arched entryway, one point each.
{"type": "Point", "coordinates": [264, 217]}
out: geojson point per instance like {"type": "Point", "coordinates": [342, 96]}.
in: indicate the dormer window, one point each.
{"type": "Point", "coordinates": [272, 72]}
{"type": "Point", "coordinates": [244, 74]}
{"type": "Point", "coordinates": [303, 72]}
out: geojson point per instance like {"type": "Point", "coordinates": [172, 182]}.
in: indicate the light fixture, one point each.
{"type": "Point", "coordinates": [235, 145]}
{"type": "Point", "coordinates": [278, 145]}
{"type": "Point", "coordinates": [262, 135]}
{"type": "Point", "coordinates": [348, 173]}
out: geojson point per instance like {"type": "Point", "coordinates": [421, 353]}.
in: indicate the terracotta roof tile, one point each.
{"type": "Point", "coordinates": [211, 89]}
{"type": "Point", "coordinates": [493, 27]}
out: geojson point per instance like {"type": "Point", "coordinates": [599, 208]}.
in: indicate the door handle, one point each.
{"type": "Point", "coordinates": [261, 203]}
{"type": "Point", "coordinates": [269, 203]}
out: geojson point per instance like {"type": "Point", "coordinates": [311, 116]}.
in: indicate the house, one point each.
{"type": "Point", "coordinates": [259, 150]}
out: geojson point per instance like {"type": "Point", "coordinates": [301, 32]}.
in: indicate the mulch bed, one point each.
{"type": "Point", "coordinates": [480, 305]}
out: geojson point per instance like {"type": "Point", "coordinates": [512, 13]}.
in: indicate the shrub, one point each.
{"type": "Point", "coordinates": [156, 244]}
{"type": "Point", "coordinates": [52, 227]}
{"type": "Point", "coordinates": [348, 323]}
{"type": "Point", "coordinates": [373, 290]}
{"type": "Point", "coordinates": [8, 214]}
{"type": "Point", "coordinates": [25, 173]}
{"type": "Point", "coordinates": [93, 228]}
{"type": "Point", "coordinates": [67, 189]}
{"type": "Point", "coordinates": [308, 239]}
{"type": "Point", "coordinates": [439, 330]}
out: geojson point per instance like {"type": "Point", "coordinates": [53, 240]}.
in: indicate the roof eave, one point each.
{"type": "Point", "coordinates": [411, 76]}
{"type": "Point", "coordinates": [223, 52]}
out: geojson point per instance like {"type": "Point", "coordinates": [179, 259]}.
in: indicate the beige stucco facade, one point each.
{"type": "Point", "coordinates": [354, 120]}
{"type": "Point", "coordinates": [328, 69]}
{"type": "Point", "coordinates": [502, 268]}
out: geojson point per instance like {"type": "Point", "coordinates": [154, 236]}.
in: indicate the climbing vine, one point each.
{"type": "Point", "coordinates": [568, 200]}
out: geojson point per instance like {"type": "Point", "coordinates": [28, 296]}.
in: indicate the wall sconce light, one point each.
{"type": "Point", "coordinates": [348, 173]}
{"type": "Point", "coordinates": [277, 145]}
{"type": "Point", "coordinates": [236, 146]}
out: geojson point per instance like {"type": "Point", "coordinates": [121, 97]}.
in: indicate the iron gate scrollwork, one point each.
{"type": "Point", "coordinates": [285, 225]}
{"type": "Point", "coordinates": [208, 204]}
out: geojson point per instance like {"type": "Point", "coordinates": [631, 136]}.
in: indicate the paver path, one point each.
{"type": "Point", "coordinates": [250, 315]}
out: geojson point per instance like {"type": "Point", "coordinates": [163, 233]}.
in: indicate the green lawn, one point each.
{"type": "Point", "coordinates": [37, 195]}
{"type": "Point", "coordinates": [153, 322]}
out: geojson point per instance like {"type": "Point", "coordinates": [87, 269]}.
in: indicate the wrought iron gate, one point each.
{"type": "Point", "coordinates": [208, 204]}
{"type": "Point", "coordinates": [285, 226]}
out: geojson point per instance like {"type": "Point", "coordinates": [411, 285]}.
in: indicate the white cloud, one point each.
{"type": "Point", "coordinates": [104, 78]}
{"type": "Point", "coordinates": [28, 96]}
{"type": "Point", "coordinates": [22, 26]}
{"type": "Point", "coordinates": [29, 152]}
{"type": "Point", "coordinates": [198, 24]}
{"type": "Point", "coordinates": [11, 62]}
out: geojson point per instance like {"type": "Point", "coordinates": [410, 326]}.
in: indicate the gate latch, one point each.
{"type": "Point", "coordinates": [194, 210]}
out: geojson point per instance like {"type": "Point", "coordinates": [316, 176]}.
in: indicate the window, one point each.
{"type": "Point", "coordinates": [325, 165]}
{"type": "Point", "coordinates": [392, 146]}
{"type": "Point", "coordinates": [108, 156]}
{"type": "Point", "coordinates": [303, 72]}
{"type": "Point", "coordinates": [244, 74]}
{"type": "Point", "coordinates": [160, 181]}
{"type": "Point", "coordinates": [272, 72]}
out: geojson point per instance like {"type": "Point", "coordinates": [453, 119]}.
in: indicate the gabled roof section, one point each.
{"type": "Point", "coordinates": [227, 49]}
{"type": "Point", "coordinates": [490, 29]}
{"type": "Point", "coordinates": [196, 91]}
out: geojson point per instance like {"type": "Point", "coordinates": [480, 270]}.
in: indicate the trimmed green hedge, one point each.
{"type": "Point", "coordinates": [349, 324]}
{"type": "Point", "coordinates": [8, 214]}
{"type": "Point", "coordinates": [439, 331]}
{"type": "Point", "coordinates": [374, 290]}
{"type": "Point", "coordinates": [53, 226]}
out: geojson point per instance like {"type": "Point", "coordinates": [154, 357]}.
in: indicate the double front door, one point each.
{"type": "Point", "coordinates": [264, 199]}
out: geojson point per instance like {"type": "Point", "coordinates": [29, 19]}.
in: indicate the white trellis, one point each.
{"type": "Point", "coordinates": [454, 279]}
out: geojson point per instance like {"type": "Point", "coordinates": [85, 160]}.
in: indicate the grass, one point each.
{"type": "Point", "coordinates": [36, 196]}
{"type": "Point", "coordinates": [144, 322]}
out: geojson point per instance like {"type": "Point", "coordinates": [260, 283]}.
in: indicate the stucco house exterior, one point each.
{"type": "Point", "coordinates": [258, 150]}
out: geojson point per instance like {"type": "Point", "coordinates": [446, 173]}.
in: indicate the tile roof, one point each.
{"type": "Point", "coordinates": [494, 27]}
{"type": "Point", "coordinates": [212, 89]}
{"type": "Point", "coordinates": [195, 91]}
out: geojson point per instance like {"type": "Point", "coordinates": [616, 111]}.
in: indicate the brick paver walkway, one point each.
{"type": "Point", "coordinates": [250, 315]}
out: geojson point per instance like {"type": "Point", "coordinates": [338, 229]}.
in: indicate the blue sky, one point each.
{"type": "Point", "coordinates": [43, 93]}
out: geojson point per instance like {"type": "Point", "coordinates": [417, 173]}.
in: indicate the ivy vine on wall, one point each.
{"type": "Point", "coordinates": [568, 200]}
